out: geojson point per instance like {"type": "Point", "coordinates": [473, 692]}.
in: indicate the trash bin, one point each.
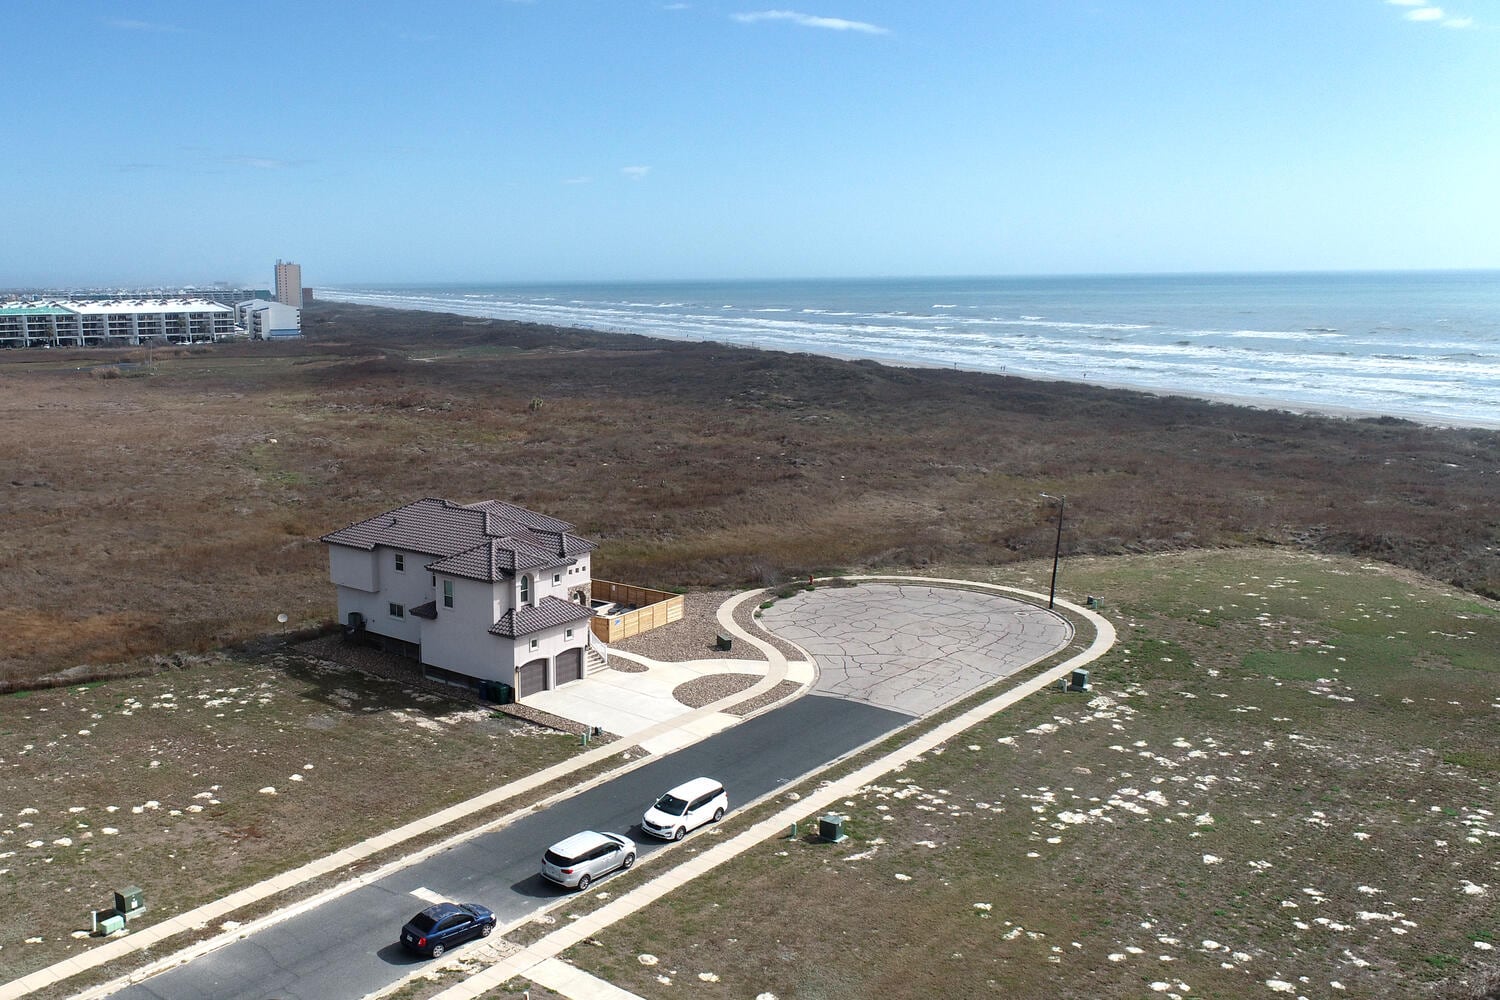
{"type": "Point", "coordinates": [726, 642]}
{"type": "Point", "coordinates": [497, 692]}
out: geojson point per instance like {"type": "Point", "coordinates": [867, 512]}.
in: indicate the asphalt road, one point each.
{"type": "Point", "coordinates": [348, 947]}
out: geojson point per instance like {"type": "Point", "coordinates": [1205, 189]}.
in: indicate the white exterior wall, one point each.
{"type": "Point", "coordinates": [459, 639]}
{"type": "Point", "coordinates": [369, 583]}
{"type": "Point", "coordinates": [549, 643]}
{"type": "Point", "coordinates": [354, 568]}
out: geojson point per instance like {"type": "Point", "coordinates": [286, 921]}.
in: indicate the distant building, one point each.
{"type": "Point", "coordinates": [289, 283]}
{"type": "Point", "coordinates": [307, 295]}
{"type": "Point", "coordinates": [114, 322]}
{"type": "Point", "coordinates": [263, 319]}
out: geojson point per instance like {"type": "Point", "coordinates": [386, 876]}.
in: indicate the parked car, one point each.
{"type": "Point", "coordinates": [685, 808]}
{"type": "Point", "coordinates": [443, 925]}
{"type": "Point", "coordinates": [586, 856]}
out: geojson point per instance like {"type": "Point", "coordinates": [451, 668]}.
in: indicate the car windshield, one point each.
{"type": "Point", "coordinates": [423, 922]}
{"type": "Point", "coordinates": [671, 805]}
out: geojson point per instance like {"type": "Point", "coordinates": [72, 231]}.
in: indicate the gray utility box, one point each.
{"type": "Point", "coordinates": [1079, 681]}
{"type": "Point", "coordinates": [725, 642]}
{"type": "Point", "coordinates": [831, 828]}
{"type": "Point", "coordinates": [130, 901]}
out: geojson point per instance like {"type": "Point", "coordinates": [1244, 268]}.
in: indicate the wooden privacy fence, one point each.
{"type": "Point", "coordinates": [653, 608]}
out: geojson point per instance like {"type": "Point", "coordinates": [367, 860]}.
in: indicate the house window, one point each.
{"type": "Point", "coordinates": [557, 578]}
{"type": "Point", "coordinates": [525, 590]}
{"type": "Point", "coordinates": [398, 611]}
{"type": "Point", "coordinates": [447, 593]}
{"type": "Point", "coordinates": [568, 634]}
{"type": "Point", "coordinates": [533, 644]}
{"type": "Point", "coordinates": [400, 563]}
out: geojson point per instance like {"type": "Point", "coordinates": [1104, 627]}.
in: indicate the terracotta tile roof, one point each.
{"type": "Point", "coordinates": [548, 613]}
{"type": "Point", "coordinates": [485, 541]}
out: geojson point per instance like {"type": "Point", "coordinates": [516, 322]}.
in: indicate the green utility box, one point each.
{"type": "Point", "coordinates": [105, 926]}
{"type": "Point", "coordinates": [831, 828]}
{"type": "Point", "coordinates": [130, 901]}
{"type": "Point", "coordinates": [497, 692]}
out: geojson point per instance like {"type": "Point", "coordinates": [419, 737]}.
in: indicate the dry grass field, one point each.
{"type": "Point", "coordinates": [1285, 783]}
{"type": "Point", "coordinates": [177, 506]}
{"type": "Point", "coordinates": [218, 772]}
{"type": "Point", "coordinates": [158, 516]}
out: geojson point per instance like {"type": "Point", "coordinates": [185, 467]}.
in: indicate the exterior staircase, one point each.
{"type": "Point", "coordinates": [595, 658]}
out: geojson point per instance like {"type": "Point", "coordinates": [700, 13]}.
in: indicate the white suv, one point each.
{"type": "Point", "coordinates": [685, 808]}
{"type": "Point", "coordinates": [583, 857]}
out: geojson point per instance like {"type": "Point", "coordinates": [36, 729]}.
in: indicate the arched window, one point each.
{"type": "Point", "coordinates": [525, 590]}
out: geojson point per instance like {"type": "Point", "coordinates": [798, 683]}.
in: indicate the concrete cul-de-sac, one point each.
{"type": "Point", "coordinates": [913, 647]}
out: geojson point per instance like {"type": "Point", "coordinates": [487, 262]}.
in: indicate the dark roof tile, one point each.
{"type": "Point", "coordinates": [548, 613]}
{"type": "Point", "coordinates": [485, 541]}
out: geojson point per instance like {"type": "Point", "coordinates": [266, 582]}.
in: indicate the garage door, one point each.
{"type": "Point", "coordinates": [569, 666]}
{"type": "Point", "coordinates": [531, 678]}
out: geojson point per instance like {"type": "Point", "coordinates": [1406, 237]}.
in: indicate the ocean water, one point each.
{"type": "Point", "coordinates": [1419, 345]}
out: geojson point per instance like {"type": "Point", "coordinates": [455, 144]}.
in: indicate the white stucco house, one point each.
{"type": "Point", "coordinates": [475, 592]}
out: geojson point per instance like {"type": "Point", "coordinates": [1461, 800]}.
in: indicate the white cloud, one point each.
{"type": "Point", "coordinates": [635, 173]}
{"type": "Point", "coordinates": [1423, 12]}
{"type": "Point", "coordinates": [810, 21]}
{"type": "Point", "coordinates": [577, 180]}
{"type": "Point", "coordinates": [676, 6]}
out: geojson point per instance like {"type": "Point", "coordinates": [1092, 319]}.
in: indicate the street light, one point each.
{"type": "Point", "coordinates": [1062, 503]}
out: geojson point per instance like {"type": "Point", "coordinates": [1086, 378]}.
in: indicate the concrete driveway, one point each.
{"type": "Point", "coordinates": [913, 647]}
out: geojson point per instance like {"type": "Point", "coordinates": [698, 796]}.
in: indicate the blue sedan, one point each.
{"type": "Point", "coordinates": [443, 925]}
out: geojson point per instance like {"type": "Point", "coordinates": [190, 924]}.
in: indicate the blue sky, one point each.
{"type": "Point", "coordinates": [494, 140]}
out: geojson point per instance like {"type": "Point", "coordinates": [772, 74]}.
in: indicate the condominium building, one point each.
{"type": "Point", "coordinates": [114, 322]}
{"type": "Point", "coordinates": [266, 320]}
{"type": "Point", "coordinates": [289, 283]}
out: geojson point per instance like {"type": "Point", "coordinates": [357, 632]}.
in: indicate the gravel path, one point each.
{"type": "Point", "coordinates": [702, 691]}
{"type": "Point", "coordinates": [693, 637]}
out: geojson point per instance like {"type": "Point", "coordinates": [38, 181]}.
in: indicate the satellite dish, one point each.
{"type": "Point", "coordinates": [281, 618]}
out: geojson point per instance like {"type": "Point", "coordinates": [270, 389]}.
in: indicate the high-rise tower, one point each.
{"type": "Point", "coordinates": [289, 283]}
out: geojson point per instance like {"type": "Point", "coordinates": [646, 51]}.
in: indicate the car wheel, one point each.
{"type": "Point", "coordinates": [583, 883]}
{"type": "Point", "coordinates": [629, 860]}
{"type": "Point", "coordinates": [486, 929]}
{"type": "Point", "coordinates": [437, 951]}
{"type": "Point", "coordinates": [718, 815]}
{"type": "Point", "coordinates": [681, 832]}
